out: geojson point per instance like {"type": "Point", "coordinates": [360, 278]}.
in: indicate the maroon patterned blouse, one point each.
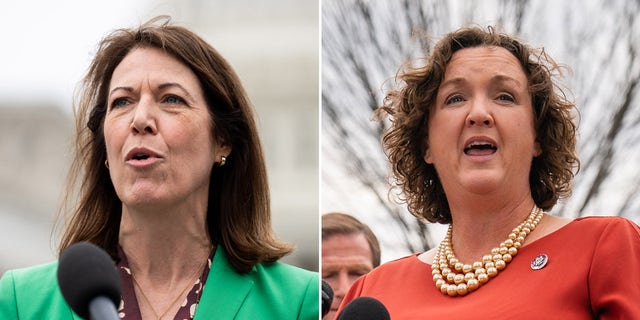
{"type": "Point", "coordinates": [129, 309]}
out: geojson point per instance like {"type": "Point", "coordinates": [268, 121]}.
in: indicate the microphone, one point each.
{"type": "Point", "coordinates": [89, 281]}
{"type": "Point", "coordinates": [327, 298]}
{"type": "Point", "coordinates": [364, 308]}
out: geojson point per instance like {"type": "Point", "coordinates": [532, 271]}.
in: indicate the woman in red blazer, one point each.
{"type": "Point", "coordinates": [482, 139]}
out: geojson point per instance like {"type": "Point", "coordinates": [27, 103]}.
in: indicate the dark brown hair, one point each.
{"type": "Point", "coordinates": [238, 214]}
{"type": "Point", "coordinates": [340, 223]}
{"type": "Point", "coordinates": [408, 108]}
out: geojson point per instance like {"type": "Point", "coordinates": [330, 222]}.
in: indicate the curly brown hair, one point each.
{"type": "Point", "coordinates": [408, 108]}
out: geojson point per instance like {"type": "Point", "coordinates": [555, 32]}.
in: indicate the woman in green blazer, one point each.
{"type": "Point", "coordinates": [171, 182]}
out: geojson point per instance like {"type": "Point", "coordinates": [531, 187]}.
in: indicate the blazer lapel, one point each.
{"type": "Point", "coordinates": [225, 290]}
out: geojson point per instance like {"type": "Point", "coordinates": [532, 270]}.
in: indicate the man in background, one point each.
{"type": "Point", "coordinates": [349, 250]}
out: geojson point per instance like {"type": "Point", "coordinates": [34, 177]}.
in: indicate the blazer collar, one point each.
{"type": "Point", "coordinates": [225, 290]}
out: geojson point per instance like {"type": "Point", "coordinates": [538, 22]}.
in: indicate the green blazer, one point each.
{"type": "Point", "coordinates": [269, 291]}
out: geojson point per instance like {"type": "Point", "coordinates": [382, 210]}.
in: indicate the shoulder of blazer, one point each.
{"type": "Point", "coordinates": [272, 286]}
{"type": "Point", "coordinates": [36, 293]}
{"type": "Point", "coordinates": [285, 277]}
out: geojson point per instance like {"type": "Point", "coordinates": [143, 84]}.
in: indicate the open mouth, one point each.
{"type": "Point", "coordinates": [480, 148]}
{"type": "Point", "coordinates": [140, 156]}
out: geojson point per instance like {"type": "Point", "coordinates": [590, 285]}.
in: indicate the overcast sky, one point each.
{"type": "Point", "coordinates": [47, 45]}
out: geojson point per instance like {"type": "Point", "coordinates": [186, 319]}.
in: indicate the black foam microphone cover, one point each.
{"type": "Point", "coordinates": [327, 298]}
{"type": "Point", "coordinates": [364, 308]}
{"type": "Point", "coordinates": [86, 272]}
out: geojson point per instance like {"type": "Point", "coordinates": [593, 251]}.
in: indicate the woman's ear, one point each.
{"type": "Point", "coordinates": [220, 149]}
{"type": "Point", "coordinates": [223, 151]}
{"type": "Point", "coordinates": [537, 150]}
{"type": "Point", "coordinates": [427, 154]}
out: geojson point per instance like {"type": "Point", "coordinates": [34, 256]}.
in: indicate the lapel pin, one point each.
{"type": "Point", "coordinates": [539, 262]}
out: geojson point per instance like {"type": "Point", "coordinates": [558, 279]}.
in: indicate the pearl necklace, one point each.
{"type": "Point", "coordinates": [454, 278]}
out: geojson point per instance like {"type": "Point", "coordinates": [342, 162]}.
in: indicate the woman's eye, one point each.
{"type": "Point", "coordinates": [119, 102]}
{"type": "Point", "coordinates": [506, 97]}
{"type": "Point", "coordinates": [173, 99]}
{"type": "Point", "coordinates": [453, 99]}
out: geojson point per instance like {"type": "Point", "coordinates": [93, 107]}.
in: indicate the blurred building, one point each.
{"type": "Point", "coordinates": [34, 158]}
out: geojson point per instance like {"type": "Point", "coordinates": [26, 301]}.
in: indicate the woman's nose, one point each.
{"type": "Point", "coordinates": [479, 114]}
{"type": "Point", "coordinates": [144, 118]}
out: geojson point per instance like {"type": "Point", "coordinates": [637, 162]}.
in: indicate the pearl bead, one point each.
{"type": "Point", "coordinates": [487, 258]}
{"type": "Point", "coordinates": [458, 278]}
{"type": "Point", "coordinates": [483, 278]}
{"type": "Point", "coordinates": [497, 257]}
{"type": "Point", "coordinates": [462, 289]}
{"type": "Point", "coordinates": [501, 264]}
{"type": "Point", "coordinates": [509, 242]}
{"type": "Point", "coordinates": [437, 277]}
{"type": "Point", "coordinates": [492, 272]}
{"type": "Point", "coordinates": [513, 251]}
{"type": "Point", "coordinates": [495, 251]}
{"type": "Point", "coordinates": [489, 265]}
{"type": "Point", "coordinates": [506, 257]}
{"type": "Point", "coordinates": [480, 271]}
{"type": "Point", "coordinates": [444, 288]}
{"type": "Point", "coordinates": [452, 290]}
{"type": "Point", "coordinates": [467, 268]}
{"type": "Point", "coordinates": [468, 276]}
{"type": "Point", "coordinates": [473, 284]}
{"type": "Point", "coordinates": [458, 266]}
{"type": "Point", "coordinates": [477, 265]}
{"type": "Point", "coordinates": [440, 282]}
{"type": "Point", "coordinates": [451, 277]}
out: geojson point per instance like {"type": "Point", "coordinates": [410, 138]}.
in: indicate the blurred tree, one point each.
{"type": "Point", "coordinates": [365, 42]}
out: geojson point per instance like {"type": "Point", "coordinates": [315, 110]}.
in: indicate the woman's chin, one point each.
{"type": "Point", "coordinates": [482, 183]}
{"type": "Point", "coordinates": [141, 198]}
